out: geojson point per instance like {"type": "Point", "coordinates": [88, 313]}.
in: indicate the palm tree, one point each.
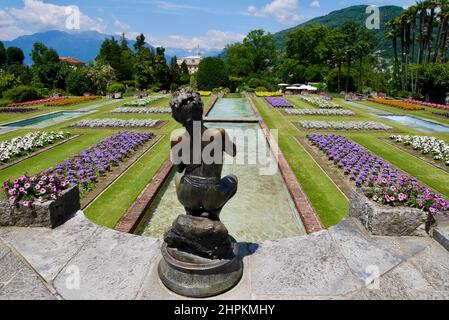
{"type": "Point", "coordinates": [431, 6]}
{"type": "Point", "coordinates": [422, 9]}
{"type": "Point", "coordinates": [440, 54]}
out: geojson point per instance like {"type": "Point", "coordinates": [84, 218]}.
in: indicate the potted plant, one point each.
{"type": "Point", "coordinates": [38, 201]}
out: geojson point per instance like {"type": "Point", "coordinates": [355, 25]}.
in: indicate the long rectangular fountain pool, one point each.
{"type": "Point", "coordinates": [416, 123]}
{"type": "Point", "coordinates": [46, 119]}
{"type": "Point", "coordinates": [232, 108]}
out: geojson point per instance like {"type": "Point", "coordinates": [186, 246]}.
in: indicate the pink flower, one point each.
{"type": "Point", "coordinates": [402, 197]}
{"type": "Point", "coordinates": [375, 198]}
{"type": "Point", "coordinates": [27, 185]}
{"type": "Point", "coordinates": [12, 192]}
{"type": "Point", "coordinates": [12, 199]}
{"type": "Point", "coordinates": [43, 191]}
{"type": "Point", "coordinates": [38, 186]}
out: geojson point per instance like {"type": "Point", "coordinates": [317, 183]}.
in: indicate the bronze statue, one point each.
{"type": "Point", "coordinates": [200, 189]}
{"type": "Point", "coordinates": [199, 257]}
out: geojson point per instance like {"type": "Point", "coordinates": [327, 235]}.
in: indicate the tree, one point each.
{"type": "Point", "coordinates": [212, 73]}
{"type": "Point", "coordinates": [144, 71]}
{"type": "Point", "coordinates": [101, 75]}
{"type": "Point", "coordinates": [175, 71]}
{"type": "Point", "coordinates": [78, 82]}
{"type": "Point", "coordinates": [262, 52]}
{"type": "Point", "coordinates": [14, 55]}
{"type": "Point", "coordinates": [126, 68]}
{"type": "Point", "coordinates": [140, 42]}
{"type": "Point", "coordinates": [2, 55]}
{"type": "Point", "coordinates": [8, 81]}
{"type": "Point", "coordinates": [46, 66]}
{"type": "Point", "coordinates": [161, 69]}
{"type": "Point", "coordinates": [119, 56]}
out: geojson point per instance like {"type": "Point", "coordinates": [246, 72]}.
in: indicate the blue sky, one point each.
{"type": "Point", "coordinates": [172, 23]}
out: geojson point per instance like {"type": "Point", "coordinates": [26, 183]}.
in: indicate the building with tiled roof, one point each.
{"type": "Point", "coordinates": [72, 61]}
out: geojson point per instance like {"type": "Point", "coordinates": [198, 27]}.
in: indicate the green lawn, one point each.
{"type": "Point", "coordinates": [329, 202]}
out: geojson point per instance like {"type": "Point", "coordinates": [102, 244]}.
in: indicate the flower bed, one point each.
{"type": "Point", "coordinates": [24, 145]}
{"type": "Point", "coordinates": [18, 110]}
{"type": "Point", "coordinates": [144, 102]}
{"type": "Point", "coordinates": [380, 182]}
{"type": "Point", "coordinates": [142, 110]}
{"type": "Point", "coordinates": [41, 187]}
{"type": "Point", "coordinates": [30, 103]}
{"type": "Point", "coordinates": [269, 94]}
{"type": "Point", "coordinates": [277, 102]}
{"type": "Point", "coordinates": [85, 167]}
{"type": "Point", "coordinates": [321, 103]}
{"type": "Point", "coordinates": [319, 112]}
{"type": "Point", "coordinates": [68, 101]}
{"type": "Point", "coordinates": [205, 93]}
{"type": "Point", "coordinates": [342, 125]}
{"type": "Point", "coordinates": [60, 207]}
{"type": "Point", "coordinates": [428, 104]}
{"type": "Point", "coordinates": [439, 149]}
{"type": "Point", "coordinates": [116, 123]}
{"type": "Point", "coordinates": [397, 104]}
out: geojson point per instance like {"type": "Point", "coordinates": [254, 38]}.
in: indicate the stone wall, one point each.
{"type": "Point", "coordinates": [50, 214]}
{"type": "Point", "coordinates": [387, 221]}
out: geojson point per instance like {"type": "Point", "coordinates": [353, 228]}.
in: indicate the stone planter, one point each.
{"type": "Point", "coordinates": [50, 214]}
{"type": "Point", "coordinates": [387, 221]}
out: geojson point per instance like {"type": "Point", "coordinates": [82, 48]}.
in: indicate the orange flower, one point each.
{"type": "Point", "coordinates": [397, 104]}
{"type": "Point", "coordinates": [68, 101]}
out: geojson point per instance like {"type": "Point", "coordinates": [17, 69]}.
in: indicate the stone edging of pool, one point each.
{"type": "Point", "coordinates": [307, 213]}
{"type": "Point", "coordinates": [31, 155]}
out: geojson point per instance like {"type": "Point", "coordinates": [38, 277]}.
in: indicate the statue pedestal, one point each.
{"type": "Point", "coordinates": [197, 277]}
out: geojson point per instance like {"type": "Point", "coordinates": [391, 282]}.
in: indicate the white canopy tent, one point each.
{"type": "Point", "coordinates": [311, 88]}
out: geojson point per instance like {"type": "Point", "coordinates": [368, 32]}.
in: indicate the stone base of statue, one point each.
{"type": "Point", "coordinates": [199, 258]}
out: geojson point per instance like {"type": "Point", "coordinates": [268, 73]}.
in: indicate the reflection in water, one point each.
{"type": "Point", "coordinates": [416, 123]}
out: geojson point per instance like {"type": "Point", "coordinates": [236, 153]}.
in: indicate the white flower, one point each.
{"type": "Point", "coordinates": [30, 142]}
{"type": "Point", "coordinates": [142, 110]}
{"type": "Point", "coordinates": [343, 125]}
{"type": "Point", "coordinates": [116, 123]}
{"type": "Point", "coordinates": [319, 112]}
{"type": "Point", "coordinates": [427, 145]}
{"type": "Point", "coordinates": [321, 103]}
{"type": "Point", "coordinates": [145, 101]}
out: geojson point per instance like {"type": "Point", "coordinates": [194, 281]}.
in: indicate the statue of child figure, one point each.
{"type": "Point", "coordinates": [198, 156]}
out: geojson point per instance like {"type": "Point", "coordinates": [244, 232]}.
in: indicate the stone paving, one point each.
{"type": "Point", "coordinates": [80, 260]}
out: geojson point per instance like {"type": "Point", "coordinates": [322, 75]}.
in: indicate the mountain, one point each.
{"type": "Point", "coordinates": [353, 13]}
{"type": "Point", "coordinates": [83, 45]}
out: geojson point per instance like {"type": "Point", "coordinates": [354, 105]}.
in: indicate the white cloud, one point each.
{"type": "Point", "coordinates": [211, 40]}
{"type": "Point", "coordinates": [315, 4]}
{"type": "Point", "coordinates": [8, 29]}
{"type": "Point", "coordinates": [36, 15]}
{"type": "Point", "coordinates": [283, 11]}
